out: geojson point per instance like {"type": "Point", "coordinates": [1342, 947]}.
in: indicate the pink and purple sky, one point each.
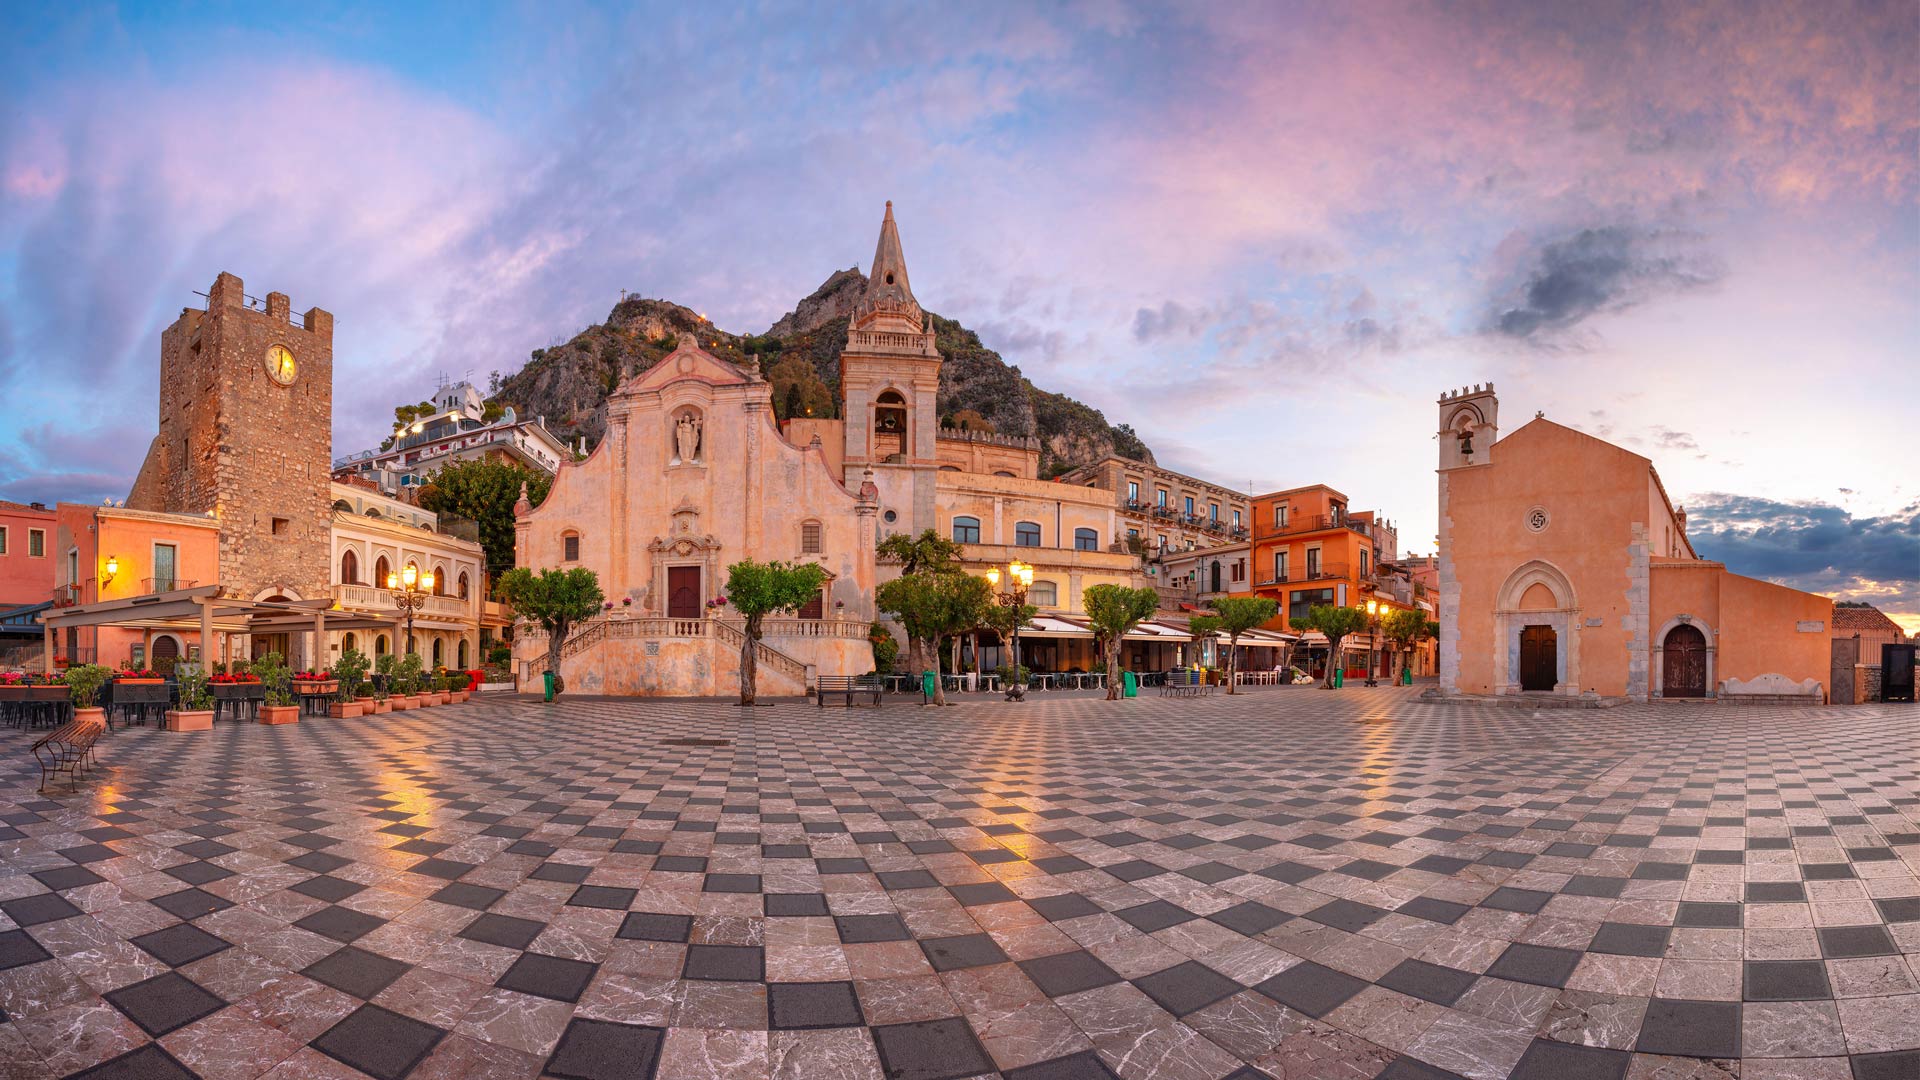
{"type": "Point", "coordinates": [1266, 235]}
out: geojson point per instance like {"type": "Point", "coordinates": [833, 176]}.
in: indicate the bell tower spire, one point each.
{"type": "Point", "coordinates": [888, 304]}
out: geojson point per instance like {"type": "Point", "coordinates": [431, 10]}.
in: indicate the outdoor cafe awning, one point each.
{"type": "Point", "coordinates": [203, 611]}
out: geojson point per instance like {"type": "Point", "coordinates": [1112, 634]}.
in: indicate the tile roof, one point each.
{"type": "Point", "coordinates": [1861, 618]}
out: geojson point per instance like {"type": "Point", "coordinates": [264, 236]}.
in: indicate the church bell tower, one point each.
{"type": "Point", "coordinates": [889, 380]}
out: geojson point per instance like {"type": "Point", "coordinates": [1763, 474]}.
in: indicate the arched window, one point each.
{"type": "Point", "coordinates": [966, 530]}
{"type": "Point", "coordinates": [464, 586]}
{"type": "Point", "coordinates": [436, 652]}
{"type": "Point", "coordinates": [380, 572]}
{"type": "Point", "coordinates": [439, 581]}
{"type": "Point", "coordinates": [342, 504]}
{"type": "Point", "coordinates": [1044, 594]}
{"type": "Point", "coordinates": [463, 654]}
{"type": "Point", "coordinates": [373, 511]}
{"type": "Point", "coordinates": [1027, 534]}
{"type": "Point", "coordinates": [1086, 540]}
{"type": "Point", "coordinates": [348, 642]}
{"type": "Point", "coordinates": [349, 568]}
{"type": "Point", "coordinates": [570, 547]}
{"type": "Point", "coordinates": [380, 645]}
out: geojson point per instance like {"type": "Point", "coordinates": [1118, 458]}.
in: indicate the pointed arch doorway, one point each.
{"type": "Point", "coordinates": [1683, 663]}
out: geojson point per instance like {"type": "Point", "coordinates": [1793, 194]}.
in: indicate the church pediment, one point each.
{"type": "Point", "coordinates": [688, 361]}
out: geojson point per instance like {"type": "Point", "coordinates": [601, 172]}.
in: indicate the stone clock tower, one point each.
{"type": "Point", "coordinates": [246, 433]}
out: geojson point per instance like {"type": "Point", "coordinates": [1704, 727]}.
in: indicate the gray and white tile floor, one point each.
{"type": "Point", "coordinates": [1291, 883]}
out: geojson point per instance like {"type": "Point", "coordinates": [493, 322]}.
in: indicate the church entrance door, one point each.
{"type": "Point", "coordinates": [1539, 661]}
{"type": "Point", "coordinates": [1684, 665]}
{"type": "Point", "coordinates": [683, 592]}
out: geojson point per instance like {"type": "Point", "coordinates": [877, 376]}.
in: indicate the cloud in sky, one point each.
{"type": "Point", "coordinates": [1248, 229]}
{"type": "Point", "coordinates": [1814, 545]}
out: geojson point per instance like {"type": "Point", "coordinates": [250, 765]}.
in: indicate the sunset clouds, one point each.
{"type": "Point", "coordinates": [1249, 230]}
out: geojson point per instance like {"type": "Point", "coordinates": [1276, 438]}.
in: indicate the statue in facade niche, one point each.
{"type": "Point", "coordinates": [686, 438]}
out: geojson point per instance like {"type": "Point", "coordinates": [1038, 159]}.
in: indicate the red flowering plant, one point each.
{"type": "Point", "coordinates": [313, 676]}
{"type": "Point", "coordinates": [136, 673]}
{"type": "Point", "coordinates": [224, 678]}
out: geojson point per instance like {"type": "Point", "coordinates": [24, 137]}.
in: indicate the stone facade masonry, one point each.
{"type": "Point", "coordinates": [236, 442]}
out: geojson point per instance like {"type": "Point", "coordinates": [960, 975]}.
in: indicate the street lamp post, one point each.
{"type": "Point", "coordinates": [410, 589]}
{"type": "Point", "coordinates": [1375, 609]}
{"type": "Point", "coordinates": [1019, 578]}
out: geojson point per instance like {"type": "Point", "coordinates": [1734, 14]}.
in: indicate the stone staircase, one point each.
{"type": "Point", "coordinates": [620, 641]}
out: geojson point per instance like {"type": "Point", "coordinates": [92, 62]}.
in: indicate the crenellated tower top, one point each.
{"type": "Point", "coordinates": [1469, 423]}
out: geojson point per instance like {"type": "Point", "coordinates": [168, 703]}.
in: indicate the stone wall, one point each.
{"type": "Point", "coordinates": [236, 442]}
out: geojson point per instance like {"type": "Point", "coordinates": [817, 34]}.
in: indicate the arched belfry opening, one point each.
{"type": "Point", "coordinates": [890, 423]}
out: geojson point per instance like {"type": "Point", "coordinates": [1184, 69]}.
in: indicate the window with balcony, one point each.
{"type": "Point", "coordinates": [1026, 534]}
{"type": "Point", "coordinates": [380, 572]}
{"type": "Point", "coordinates": [1236, 519]}
{"type": "Point", "coordinates": [1161, 495]}
{"type": "Point", "coordinates": [1280, 516]}
{"type": "Point", "coordinates": [1044, 594]}
{"type": "Point", "coordinates": [966, 530]}
{"type": "Point", "coordinates": [1086, 540]}
{"type": "Point", "coordinates": [1133, 491]}
{"type": "Point", "coordinates": [1213, 513]}
{"type": "Point", "coordinates": [1189, 506]}
{"type": "Point", "coordinates": [1313, 563]}
{"type": "Point", "coordinates": [349, 568]}
{"type": "Point", "coordinates": [439, 581]}
{"type": "Point", "coordinates": [465, 585]}
{"type": "Point", "coordinates": [1364, 553]}
{"type": "Point", "coordinates": [1279, 566]}
{"type": "Point", "coordinates": [166, 558]}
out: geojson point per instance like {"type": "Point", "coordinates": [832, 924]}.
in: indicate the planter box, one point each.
{"type": "Point", "coordinates": [378, 707]}
{"type": "Point", "coordinates": [460, 696]}
{"type": "Point", "coordinates": [343, 711]}
{"type": "Point", "coordinates": [279, 714]}
{"type": "Point", "coordinates": [189, 720]}
{"type": "Point", "coordinates": [138, 682]}
{"type": "Point", "coordinates": [443, 697]}
{"type": "Point", "coordinates": [317, 686]}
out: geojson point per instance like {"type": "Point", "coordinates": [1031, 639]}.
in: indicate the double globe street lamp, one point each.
{"type": "Point", "coordinates": [1019, 577]}
{"type": "Point", "coordinates": [410, 589]}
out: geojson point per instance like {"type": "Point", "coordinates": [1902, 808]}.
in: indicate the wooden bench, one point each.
{"type": "Point", "coordinates": [847, 686]}
{"type": "Point", "coordinates": [67, 748]}
{"type": "Point", "coordinates": [1185, 684]}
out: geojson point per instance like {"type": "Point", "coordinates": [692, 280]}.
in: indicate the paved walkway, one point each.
{"type": "Point", "coordinates": [1292, 883]}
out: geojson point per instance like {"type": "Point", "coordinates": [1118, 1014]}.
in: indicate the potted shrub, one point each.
{"type": "Point", "coordinates": [84, 682]}
{"type": "Point", "coordinates": [381, 703]}
{"type": "Point", "coordinates": [412, 681]}
{"type": "Point", "coordinates": [363, 696]}
{"type": "Point", "coordinates": [347, 673]}
{"type": "Point", "coordinates": [196, 701]}
{"type": "Point", "coordinates": [443, 688]}
{"type": "Point", "coordinates": [277, 684]}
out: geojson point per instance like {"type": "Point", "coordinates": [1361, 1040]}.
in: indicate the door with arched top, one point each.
{"type": "Point", "coordinates": [1683, 663]}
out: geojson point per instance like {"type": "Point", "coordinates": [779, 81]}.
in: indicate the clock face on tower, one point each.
{"type": "Point", "coordinates": [280, 364]}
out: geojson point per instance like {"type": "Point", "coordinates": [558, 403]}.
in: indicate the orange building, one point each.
{"type": "Point", "coordinates": [1309, 547]}
{"type": "Point", "coordinates": [1565, 569]}
{"type": "Point", "coordinates": [113, 552]}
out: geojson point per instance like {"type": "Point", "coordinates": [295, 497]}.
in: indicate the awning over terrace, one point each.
{"type": "Point", "coordinates": [203, 609]}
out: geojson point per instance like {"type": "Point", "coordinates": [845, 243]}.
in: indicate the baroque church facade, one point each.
{"type": "Point", "coordinates": [695, 474]}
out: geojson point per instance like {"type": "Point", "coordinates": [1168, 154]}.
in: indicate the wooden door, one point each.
{"type": "Point", "coordinates": [1538, 658]}
{"type": "Point", "coordinates": [1684, 665]}
{"type": "Point", "coordinates": [814, 608]}
{"type": "Point", "coordinates": [683, 592]}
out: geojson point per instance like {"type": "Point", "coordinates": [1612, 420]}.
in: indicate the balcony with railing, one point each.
{"type": "Point", "coordinates": [155, 585]}
{"type": "Point", "coordinates": [1302, 575]}
{"type": "Point", "coordinates": [380, 602]}
{"type": "Point", "coordinates": [1312, 523]}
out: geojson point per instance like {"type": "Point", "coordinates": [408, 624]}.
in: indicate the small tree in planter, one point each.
{"type": "Point", "coordinates": [349, 669]}
{"type": "Point", "coordinates": [1336, 623]}
{"type": "Point", "coordinates": [277, 682]}
{"type": "Point", "coordinates": [83, 686]}
{"type": "Point", "coordinates": [554, 600]}
{"type": "Point", "coordinates": [756, 590]}
{"type": "Point", "coordinates": [1113, 611]}
{"type": "Point", "coordinates": [1239, 614]}
{"type": "Point", "coordinates": [196, 700]}
{"type": "Point", "coordinates": [412, 679]}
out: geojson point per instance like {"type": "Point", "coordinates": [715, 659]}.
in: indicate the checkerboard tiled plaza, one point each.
{"type": "Point", "coordinates": [1292, 883]}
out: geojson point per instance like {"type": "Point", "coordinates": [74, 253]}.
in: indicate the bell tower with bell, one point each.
{"type": "Point", "coordinates": [1469, 424]}
{"type": "Point", "coordinates": [889, 382]}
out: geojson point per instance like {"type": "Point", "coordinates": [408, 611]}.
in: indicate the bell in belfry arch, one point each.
{"type": "Point", "coordinates": [1466, 441]}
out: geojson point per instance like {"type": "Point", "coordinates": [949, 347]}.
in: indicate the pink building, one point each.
{"type": "Point", "coordinates": [26, 554]}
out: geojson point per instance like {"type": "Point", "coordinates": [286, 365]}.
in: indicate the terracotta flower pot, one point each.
{"type": "Point", "coordinates": [189, 720]}
{"type": "Point", "coordinates": [96, 714]}
{"type": "Point", "coordinates": [443, 697]}
{"type": "Point", "coordinates": [378, 706]}
{"type": "Point", "coordinates": [344, 710]}
{"type": "Point", "coordinates": [460, 696]}
{"type": "Point", "coordinates": [398, 703]}
{"type": "Point", "coordinates": [365, 702]}
{"type": "Point", "coordinates": [279, 714]}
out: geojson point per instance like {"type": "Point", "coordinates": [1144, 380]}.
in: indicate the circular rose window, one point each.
{"type": "Point", "coordinates": [1537, 519]}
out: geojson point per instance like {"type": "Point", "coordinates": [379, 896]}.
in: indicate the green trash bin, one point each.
{"type": "Point", "coordinates": [927, 685]}
{"type": "Point", "coordinates": [1339, 678]}
{"type": "Point", "coordinates": [1130, 684]}
{"type": "Point", "coordinates": [548, 676]}
{"type": "Point", "coordinates": [1406, 676]}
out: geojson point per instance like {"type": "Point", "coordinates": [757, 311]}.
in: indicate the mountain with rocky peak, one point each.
{"type": "Point", "coordinates": [568, 383]}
